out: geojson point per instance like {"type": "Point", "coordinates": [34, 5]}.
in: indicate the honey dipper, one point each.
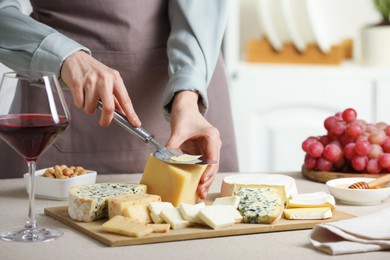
{"type": "Point", "coordinates": [371, 184]}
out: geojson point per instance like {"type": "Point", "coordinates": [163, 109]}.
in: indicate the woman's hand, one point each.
{"type": "Point", "coordinates": [90, 80]}
{"type": "Point", "coordinates": [195, 135]}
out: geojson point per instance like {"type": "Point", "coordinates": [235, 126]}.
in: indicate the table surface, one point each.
{"type": "Point", "coordinates": [75, 245]}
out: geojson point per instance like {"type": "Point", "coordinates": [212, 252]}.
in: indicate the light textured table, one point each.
{"type": "Point", "coordinates": [75, 245]}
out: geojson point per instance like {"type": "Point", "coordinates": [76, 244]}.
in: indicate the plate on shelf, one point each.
{"type": "Point", "coordinates": [323, 177]}
{"type": "Point", "coordinates": [273, 23]}
{"type": "Point", "coordinates": [297, 23]}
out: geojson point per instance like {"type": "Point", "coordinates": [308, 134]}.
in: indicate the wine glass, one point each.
{"type": "Point", "coordinates": [33, 113]}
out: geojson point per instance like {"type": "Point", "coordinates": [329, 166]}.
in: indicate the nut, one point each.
{"type": "Point", "coordinates": [64, 172]}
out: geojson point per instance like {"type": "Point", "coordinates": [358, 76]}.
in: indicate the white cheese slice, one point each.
{"type": "Point", "coordinates": [230, 200]}
{"type": "Point", "coordinates": [220, 216]}
{"type": "Point", "coordinates": [174, 218]}
{"type": "Point", "coordinates": [288, 182]}
{"type": "Point", "coordinates": [311, 200]}
{"type": "Point", "coordinates": [308, 213]}
{"type": "Point", "coordinates": [190, 211]}
{"type": "Point", "coordinates": [156, 208]}
{"type": "Point", "coordinates": [185, 158]}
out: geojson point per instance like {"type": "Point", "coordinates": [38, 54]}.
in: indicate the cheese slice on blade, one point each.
{"type": "Point", "coordinates": [186, 158]}
{"type": "Point", "coordinates": [311, 200]}
{"type": "Point", "coordinates": [175, 183]}
{"type": "Point", "coordinates": [308, 213]}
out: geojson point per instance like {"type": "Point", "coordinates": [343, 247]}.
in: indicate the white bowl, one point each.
{"type": "Point", "coordinates": [339, 189]}
{"type": "Point", "coordinates": [57, 188]}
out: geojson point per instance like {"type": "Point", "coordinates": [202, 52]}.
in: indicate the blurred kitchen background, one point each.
{"type": "Point", "coordinates": [291, 64]}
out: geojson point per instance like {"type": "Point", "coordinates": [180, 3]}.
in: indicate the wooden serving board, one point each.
{"type": "Point", "coordinates": [94, 230]}
{"type": "Point", "coordinates": [323, 177]}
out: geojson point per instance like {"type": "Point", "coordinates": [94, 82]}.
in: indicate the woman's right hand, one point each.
{"type": "Point", "coordinates": [90, 80]}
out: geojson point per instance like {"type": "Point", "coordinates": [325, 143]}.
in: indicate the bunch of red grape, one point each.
{"type": "Point", "coordinates": [350, 145]}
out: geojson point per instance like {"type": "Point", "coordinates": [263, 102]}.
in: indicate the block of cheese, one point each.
{"type": "Point", "coordinates": [190, 211]}
{"type": "Point", "coordinates": [175, 183]}
{"type": "Point", "coordinates": [287, 182]}
{"type": "Point", "coordinates": [160, 228]}
{"type": "Point", "coordinates": [89, 202]}
{"type": "Point", "coordinates": [138, 212]}
{"type": "Point", "coordinates": [126, 226]}
{"type": "Point", "coordinates": [308, 213]}
{"type": "Point", "coordinates": [156, 208]}
{"type": "Point", "coordinates": [311, 200]}
{"type": "Point", "coordinates": [230, 200]}
{"type": "Point", "coordinates": [260, 204]}
{"type": "Point", "coordinates": [117, 204]}
{"type": "Point", "coordinates": [174, 218]}
{"type": "Point", "coordinates": [220, 216]}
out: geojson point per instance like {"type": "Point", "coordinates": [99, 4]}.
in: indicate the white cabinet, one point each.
{"type": "Point", "coordinates": [275, 107]}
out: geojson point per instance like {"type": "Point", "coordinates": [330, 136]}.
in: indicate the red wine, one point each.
{"type": "Point", "coordinates": [30, 134]}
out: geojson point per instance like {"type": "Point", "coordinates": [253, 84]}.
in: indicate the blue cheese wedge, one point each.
{"type": "Point", "coordinates": [260, 205]}
{"type": "Point", "coordinates": [89, 202]}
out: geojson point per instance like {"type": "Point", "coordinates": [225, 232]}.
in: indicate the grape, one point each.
{"type": "Point", "coordinates": [359, 162]}
{"type": "Point", "coordinates": [346, 139]}
{"type": "Point", "coordinates": [324, 165]}
{"type": "Point", "coordinates": [362, 147]}
{"type": "Point", "coordinates": [354, 130]}
{"type": "Point", "coordinates": [349, 151]}
{"type": "Point", "coordinates": [376, 151]}
{"type": "Point", "coordinates": [325, 139]}
{"type": "Point", "coordinates": [340, 164]}
{"type": "Point", "coordinates": [384, 160]}
{"type": "Point", "coordinates": [329, 122]}
{"type": "Point", "coordinates": [349, 115]}
{"type": "Point", "coordinates": [387, 131]}
{"type": "Point", "coordinates": [371, 128]}
{"type": "Point", "coordinates": [315, 149]}
{"type": "Point", "coordinates": [386, 145]}
{"type": "Point", "coordinates": [332, 152]}
{"type": "Point", "coordinates": [381, 125]}
{"type": "Point", "coordinates": [377, 137]}
{"type": "Point", "coordinates": [310, 162]}
{"type": "Point", "coordinates": [338, 115]}
{"type": "Point", "coordinates": [338, 128]}
{"type": "Point", "coordinates": [373, 166]}
{"type": "Point", "coordinates": [308, 142]}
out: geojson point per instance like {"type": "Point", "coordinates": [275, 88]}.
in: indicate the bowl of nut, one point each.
{"type": "Point", "coordinates": [55, 182]}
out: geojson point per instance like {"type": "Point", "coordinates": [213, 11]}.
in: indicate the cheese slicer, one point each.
{"type": "Point", "coordinates": [162, 153]}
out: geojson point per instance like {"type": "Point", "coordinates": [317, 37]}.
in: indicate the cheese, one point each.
{"type": "Point", "coordinates": [190, 211]}
{"type": "Point", "coordinates": [156, 208]}
{"type": "Point", "coordinates": [261, 205]}
{"type": "Point", "coordinates": [138, 212]}
{"type": "Point", "coordinates": [117, 204]}
{"type": "Point", "coordinates": [287, 182]}
{"type": "Point", "coordinates": [160, 228]}
{"type": "Point", "coordinates": [175, 183]}
{"type": "Point", "coordinates": [220, 216]}
{"type": "Point", "coordinates": [308, 213]}
{"type": "Point", "coordinates": [186, 158]}
{"type": "Point", "coordinates": [311, 200]}
{"type": "Point", "coordinates": [278, 188]}
{"type": "Point", "coordinates": [230, 200]}
{"type": "Point", "coordinates": [174, 218]}
{"type": "Point", "coordinates": [89, 202]}
{"type": "Point", "coordinates": [126, 226]}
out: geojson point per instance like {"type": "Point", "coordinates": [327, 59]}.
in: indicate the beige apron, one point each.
{"type": "Point", "coordinates": [129, 36]}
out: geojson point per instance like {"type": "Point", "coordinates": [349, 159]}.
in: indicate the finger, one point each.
{"type": "Point", "coordinates": [204, 187]}
{"type": "Point", "coordinates": [107, 110]}
{"type": "Point", "coordinates": [125, 103]}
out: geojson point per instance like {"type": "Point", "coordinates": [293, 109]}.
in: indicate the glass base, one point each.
{"type": "Point", "coordinates": [30, 235]}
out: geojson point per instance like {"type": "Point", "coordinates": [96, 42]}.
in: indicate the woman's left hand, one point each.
{"type": "Point", "coordinates": [193, 134]}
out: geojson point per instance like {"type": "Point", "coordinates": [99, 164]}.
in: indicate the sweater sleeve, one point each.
{"type": "Point", "coordinates": [26, 44]}
{"type": "Point", "coordinates": [197, 29]}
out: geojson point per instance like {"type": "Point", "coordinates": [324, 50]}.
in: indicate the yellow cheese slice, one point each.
{"type": "Point", "coordinates": [311, 200]}
{"type": "Point", "coordinates": [117, 204]}
{"type": "Point", "coordinates": [175, 183]}
{"type": "Point", "coordinates": [160, 228]}
{"type": "Point", "coordinates": [126, 226]}
{"type": "Point", "coordinates": [308, 213]}
{"type": "Point", "coordinates": [186, 158]}
{"type": "Point", "coordinates": [138, 212]}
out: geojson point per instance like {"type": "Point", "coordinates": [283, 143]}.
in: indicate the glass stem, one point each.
{"type": "Point", "coordinates": [31, 222]}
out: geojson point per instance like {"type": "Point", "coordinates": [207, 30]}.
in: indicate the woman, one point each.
{"type": "Point", "coordinates": [139, 56]}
